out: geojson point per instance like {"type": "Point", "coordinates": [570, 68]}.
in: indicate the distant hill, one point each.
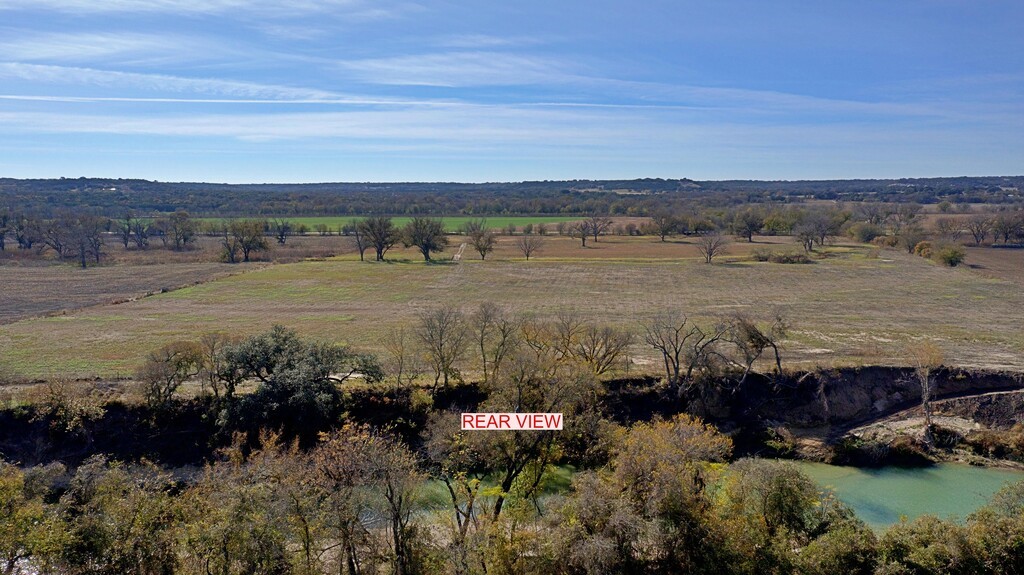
{"type": "Point", "coordinates": [615, 197]}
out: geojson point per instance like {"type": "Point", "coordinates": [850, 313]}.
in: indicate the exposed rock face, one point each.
{"type": "Point", "coordinates": [846, 397]}
{"type": "Point", "coordinates": [993, 410]}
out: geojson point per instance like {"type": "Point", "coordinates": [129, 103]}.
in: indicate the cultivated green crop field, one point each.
{"type": "Point", "coordinates": [851, 308]}
{"type": "Point", "coordinates": [451, 224]}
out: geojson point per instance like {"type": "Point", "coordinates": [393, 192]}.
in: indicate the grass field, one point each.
{"type": "Point", "coordinates": [41, 289]}
{"type": "Point", "coordinates": [849, 308]}
{"type": "Point", "coordinates": [451, 223]}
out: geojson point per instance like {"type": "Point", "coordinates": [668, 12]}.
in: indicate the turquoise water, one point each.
{"type": "Point", "coordinates": [881, 496]}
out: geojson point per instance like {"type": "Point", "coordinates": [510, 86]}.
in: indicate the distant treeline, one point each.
{"type": "Point", "coordinates": [605, 197]}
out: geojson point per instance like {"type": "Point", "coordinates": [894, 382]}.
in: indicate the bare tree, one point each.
{"type": "Point", "coordinates": [125, 225]}
{"type": "Point", "coordinates": [601, 347]}
{"type": "Point", "coordinates": [902, 216]}
{"type": "Point", "coordinates": [282, 230]}
{"type": "Point", "coordinates": [687, 349]}
{"type": "Point", "coordinates": [213, 365]}
{"type": "Point", "coordinates": [78, 236]}
{"type": "Point", "coordinates": [494, 333]}
{"type": "Point", "coordinates": [243, 237]}
{"type": "Point", "coordinates": [400, 359]}
{"type": "Point", "coordinates": [748, 222]}
{"type": "Point", "coordinates": [875, 212]}
{"type": "Point", "coordinates": [229, 244]}
{"type": "Point", "coordinates": [910, 235]}
{"type": "Point", "coordinates": [181, 229]}
{"type": "Point", "coordinates": [426, 234]}
{"type": "Point", "coordinates": [443, 334]}
{"type": "Point", "coordinates": [752, 340]}
{"type": "Point", "coordinates": [979, 227]}
{"type": "Point", "coordinates": [712, 245]}
{"type": "Point", "coordinates": [360, 240]}
{"type": "Point", "coordinates": [482, 238]}
{"type": "Point", "coordinates": [137, 232]}
{"type": "Point", "coordinates": [167, 368]}
{"type": "Point", "coordinates": [564, 332]}
{"type": "Point", "coordinates": [381, 233]}
{"type": "Point", "coordinates": [927, 358]}
{"type": "Point", "coordinates": [1007, 225]}
{"type": "Point", "coordinates": [949, 229]}
{"type": "Point", "coordinates": [598, 225]}
{"type": "Point", "coordinates": [529, 245]}
{"type": "Point", "coordinates": [665, 223]}
{"type": "Point", "coordinates": [580, 229]}
{"type": "Point", "coordinates": [28, 230]}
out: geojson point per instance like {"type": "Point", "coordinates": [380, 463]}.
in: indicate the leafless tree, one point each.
{"type": "Point", "coordinates": [212, 364]}
{"type": "Point", "coordinates": [482, 238]}
{"type": "Point", "coordinates": [598, 225]}
{"type": "Point", "coordinates": [601, 347]}
{"type": "Point", "coordinates": [979, 227]}
{"type": "Point", "coordinates": [243, 236]}
{"type": "Point", "coordinates": [874, 212]}
{"type": "Point", "coordinates": [686, 347]}
{"type": "Point", "coordinates": [282, 229]}
{"type": "Point", "coordinates": [78, 236]}
{"type": "Point", "coordinates": [140, 231]}
{"type": "Point", "coordinates": [751, 341]}
{"type": "Point", "coordinates": [360, 240]}
{"type": "Point", "coordinates": [495, 335]}
{"type": "Point", "coordinates": [529, 245]}
{"type": "Point", "coordinates": [580, 229]}
{"type": "Point", "coordinates": [903, 215]}
{"type": "Point", "coordinates": [949, 229]}
{"type": "Point", "coordinates": [443, 334]}
{"type": "Point", "coordinates": [712, 245]}
{"type": "Point", "coordinates": [124, 228]}
{"type": "Point", "coordinates": [665, 224]}
{"type": "Point", "coordinates": [400, 359]}
{"type": "Point", "coordinates": [167, 368]}
{"type": "Point", "coordinates": [381, 233]}
{"type": "Point", "coordinates": [927, 358]}
{"type": "Point", "coordinates": [1007, 225]}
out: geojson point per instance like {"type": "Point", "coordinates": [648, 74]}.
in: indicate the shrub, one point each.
{"type": "Point", "coordinates": [923, 249]}
{"type": "Point", "coordinates": [789, 258]}
{"type": "Point", "coordinates": [886, 241]}
{"type": "Point", "coordinates": [865, 232]}
{"type": "Point", "coordinates": [766, 255]}
{"type": "Point", "coordinates": [950, 255]}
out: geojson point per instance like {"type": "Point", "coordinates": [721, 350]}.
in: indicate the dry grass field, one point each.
{"type": "Point", "coordinates": [32, 290]}
{"type": "Point", "coordinates": [1002, 263]}
{"type": "Point", "coordinates": [854, 306]}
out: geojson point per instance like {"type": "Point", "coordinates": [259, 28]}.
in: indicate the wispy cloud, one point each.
{"type": "Point", "coordinates": [478, 126]}
{"type": "Point", "coordinates": [485, 41]}
{"type": "Point", "coordinates": [155, 82]}
{"type": "Point", "coordinates": [456, 69]}
{"type": "Point", "coordinates": [179, 6]}
{"type": "Point", "coordinates": [352, 11]}
{"type": "Point", "coordinates": [88, 47]}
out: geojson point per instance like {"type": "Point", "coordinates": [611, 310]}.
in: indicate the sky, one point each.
{"type": "Point", "coordinates": [481, 91]}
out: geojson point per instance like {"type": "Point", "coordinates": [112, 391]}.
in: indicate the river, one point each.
{"type": "Point", "coordinates": [881, 496]}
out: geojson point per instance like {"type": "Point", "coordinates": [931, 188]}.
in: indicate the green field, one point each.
{"type": "Point", "coordinates": [451, 223]}
{"type": "Point", "coordinates": [851, 308]}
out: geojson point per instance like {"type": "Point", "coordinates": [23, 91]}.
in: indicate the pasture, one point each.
{"type": "Point", "coordinates": [855, 305]}
{"type": "Point", "coordinates": [451, 223]}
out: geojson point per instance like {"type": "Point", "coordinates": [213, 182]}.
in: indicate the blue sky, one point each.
{"type": "Point", "coordinates": [458, 90]}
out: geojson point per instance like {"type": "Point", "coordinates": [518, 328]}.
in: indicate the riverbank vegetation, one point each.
{"type": "Point", "coordinates": [360, 501]}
